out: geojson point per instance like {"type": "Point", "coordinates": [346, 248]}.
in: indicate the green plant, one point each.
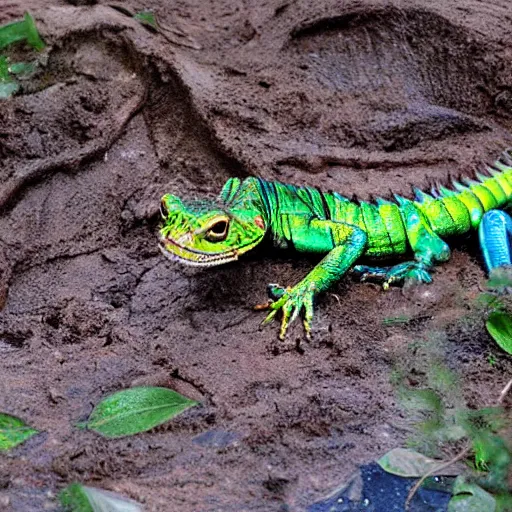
{"type": "Point", "coordinates": [80, 498]}
{"type": "Point", "coordinates": [499, 326]}
{"type": "Point", "coordinates": [19, 31]}
{"type": "Point", "coordinates": [442, 421]}
{"type": "Point", "coordinates": [491, 359]}
{"type": "Point", "coordinates": [13, 432]}
{"type": "Point", "coordinates": [136, 410]}
{"type": "Point", "coordinates": [147, 18]}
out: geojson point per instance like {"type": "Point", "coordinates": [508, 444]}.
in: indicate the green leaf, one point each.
{"type": "Point", "coordinates": [13, 432]}
{"type": "Point", "coordinates": [79, 498]}
{"type": "Point", "coordinates": [7, 89]}
{"type": "Point", "coordinates": [409, 463]}
{"type": "Point", "coordinates": [504, 502]}
{"type": "Point", "coordinates": [499, 326]}
{"type": "Point", "coordinates": [22, 68]}
{"type": "Point", "coordinates": [21, 31]}
{"type": "Point", "coordinates": [493, 456]}
{"type": "Point", "coordinates": [147, 18]}
{"type": "Point", "coordinates": [33, 38]}
{"type": "Point", "coordinates": [136, 410]}
{"type": "Point", "coordinates": [454, 432]}
{"type": "Point", "coordinates": [469, 497]}
{"type": "Point", "coordinates": [74, 499]}
{"type": "Point", "coordinates": [488, 301]}
{"type": "Point", "coordinates": [12, 33]}
{"type": "Point", "coordinates": [4, 69]}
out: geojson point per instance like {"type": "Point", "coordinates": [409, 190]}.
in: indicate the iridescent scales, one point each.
{"type": "Point", "coordinates": [214, 232]}
{"type": "Point", "coordinates": [447, 216]}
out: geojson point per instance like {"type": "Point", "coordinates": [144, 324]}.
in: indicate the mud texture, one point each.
{"type": "Point", "coordinates": [357, 96]}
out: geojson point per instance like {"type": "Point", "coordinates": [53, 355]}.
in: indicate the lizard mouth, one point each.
{"type": "Point", "coordinates": [176, 252]}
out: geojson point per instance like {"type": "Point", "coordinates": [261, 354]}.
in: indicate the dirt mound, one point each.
{"type": "Point", "coordinates": [358, 98]}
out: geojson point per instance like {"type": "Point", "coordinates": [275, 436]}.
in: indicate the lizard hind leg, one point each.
{"type": "Point", "coordinates": [427, 246]}
{"type": "Point", "coordinates": [495, 233]}
{"type": "Point", "coordinates": [395, 275]}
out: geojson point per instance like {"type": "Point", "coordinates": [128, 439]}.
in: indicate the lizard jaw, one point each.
{"type": "Point", "coordinates": [176, 252]}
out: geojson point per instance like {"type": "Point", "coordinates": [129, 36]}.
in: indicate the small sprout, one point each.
{"type": "Point", "coordinates": [13, 432]}
{"type": "Point", "coordinates": [446, 420]}
{"type": "Point", "coordinates": [79, 498]}
{"type": "Point", "coordinates": [19, 31]}
{"type": "Point", "coordinates": [147, 18]}
{"type": "Point", "coordinates": [16, 32]}
{"type": "Point", "coordinates": [136, 410]}
{"type": "Point", "coordinates": [22, 68]}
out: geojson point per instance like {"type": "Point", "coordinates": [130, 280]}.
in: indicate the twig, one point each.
{"type": "Point", "coordinates": [465, 451]}
{"type": "Point", "coordinates": [433, 471]}
{"type": "Point", "coordinates": [504, 392]}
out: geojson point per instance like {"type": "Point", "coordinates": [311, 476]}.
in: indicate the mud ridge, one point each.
{"type": "Point", "coordinates": [359, 98]}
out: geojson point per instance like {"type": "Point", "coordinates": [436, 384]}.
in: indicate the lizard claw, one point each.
{"type": "Point", "coordinates": [291, 302]}
{"type": "Point", "coordinates": [270, 317]}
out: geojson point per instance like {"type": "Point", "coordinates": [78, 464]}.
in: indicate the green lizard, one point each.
{"type": "Point", "coordinates": [212, 232]}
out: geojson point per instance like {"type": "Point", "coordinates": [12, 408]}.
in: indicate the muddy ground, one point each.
{"type": "Point", "coordinates": [357, 96]}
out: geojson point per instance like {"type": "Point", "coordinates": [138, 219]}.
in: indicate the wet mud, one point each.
{"type": "Point", "coordinates": [361, 97]}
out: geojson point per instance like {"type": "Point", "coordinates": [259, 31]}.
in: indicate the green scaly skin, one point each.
{"type": "Point", "coordinates": [212, 232]}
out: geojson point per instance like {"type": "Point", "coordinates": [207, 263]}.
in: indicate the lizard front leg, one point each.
{"type": "Point", "coordinates": [344, 244]}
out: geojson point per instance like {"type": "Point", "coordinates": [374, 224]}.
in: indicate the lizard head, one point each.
{"type": "Point", "coordinates": [208, 232]}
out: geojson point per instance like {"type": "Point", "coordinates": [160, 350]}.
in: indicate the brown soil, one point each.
{"type": "Point", "coordinates": [358, 96]}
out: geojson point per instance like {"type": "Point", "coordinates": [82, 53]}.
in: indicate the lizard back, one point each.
{"type": "Point", "coordinates": [449, 211]}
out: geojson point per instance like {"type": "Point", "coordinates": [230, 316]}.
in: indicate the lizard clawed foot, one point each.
{"type": "Point", "coordinates": [290, 301]}
{"type": "Point", "coordinates": [396, 275]}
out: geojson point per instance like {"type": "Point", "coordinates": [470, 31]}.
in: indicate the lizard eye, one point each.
{"type": "Point", "coordinates": [164, 212]}
{"type": "Point", "coordinates": [218, 231]}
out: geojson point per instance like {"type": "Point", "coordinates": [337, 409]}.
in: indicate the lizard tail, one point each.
{"type": "Point", "coordinates": [455, 210]}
